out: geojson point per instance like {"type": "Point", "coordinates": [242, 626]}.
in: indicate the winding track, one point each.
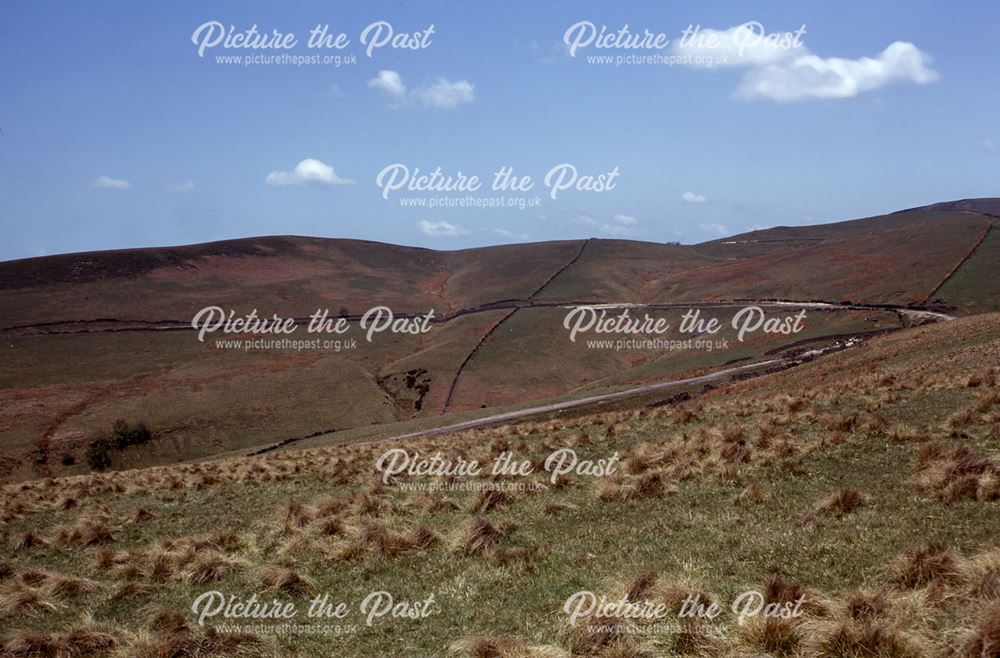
{"type": "Point", "coordinates": [39, 330]}
{"type": "Point", "coordinates": [919, 315]}
{"type": "Point", "coordinates": [520, 414]}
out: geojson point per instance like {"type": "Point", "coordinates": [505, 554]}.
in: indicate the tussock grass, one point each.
{"type": "Point", "coordinates": [891, 448]}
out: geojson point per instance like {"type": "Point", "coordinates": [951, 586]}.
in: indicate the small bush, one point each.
{"type": "Point", "coordinates": [124, 435]}
{"type": "Point", "coordinates": [98, 455]}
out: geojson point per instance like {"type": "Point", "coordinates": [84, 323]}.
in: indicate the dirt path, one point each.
{"type": "Point", "coordinates": [521, 414]}
{"type": "Point", "coordinates": [181, 325]}
{"type": "Point", "coordinates": [529, 412]}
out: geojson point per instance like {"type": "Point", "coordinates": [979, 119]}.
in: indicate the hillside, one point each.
{"type": "Point", "coordinates": [864, 484]}
{"type": "Point", "coordinates": [92, 338]}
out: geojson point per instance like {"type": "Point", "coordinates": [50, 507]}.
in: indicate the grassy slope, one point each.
{"type": "Point", "coordinates": [564, 369]}
{"type": "Point", "coordinates": [852, 421]}
{"type": "Point", "coordinates": [60, 392]}
{"type": "Point", "coordinates": [975, 287]}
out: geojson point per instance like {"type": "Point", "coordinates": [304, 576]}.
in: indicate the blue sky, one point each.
{"type": "Point", "coordinates": [117, 134]}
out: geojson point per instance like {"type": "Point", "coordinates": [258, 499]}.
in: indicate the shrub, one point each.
{"type": "Point", "coordinates": [124, 435]}
{"type": "Point", "coordinates": [98, 455]}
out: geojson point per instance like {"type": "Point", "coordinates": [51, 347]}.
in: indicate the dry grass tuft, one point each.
{"type": "Point", "coordinates": [85, 532]}
{"type": "Point", "coordinates": [209, 568]}
{"type": "Point", "coordinates": [843, 502]}
{"type": "Point", "coordinates": [34, 643]}
{"type": "Point", "coordinates": [770, 636]}
{"type": "Point", "coordinates": [648, 485]}
{"type": "Point", "coordinates": [162, 619]}
{"type": "Point", "coordinates": [33, 577]}
{"type": "Point", "coordinates": [646, 456]}
{"type": "Point", "coordinates": [779, 590]}
{"type": "Point", "coordinates": [193, 643]}
{"type": "Point", "coordinates": [64, 587]}
{"type": "Point", "coordinates": [982, 575]}
{"type": "Point", "coordinates": [958, 474]}
{"type": "Point", "coordinates": [19, 600]}
{"type": "Point", "coordinates": [386, 542]}
{"type": "Point", "coordinates": [348, 552]}
{"type": "Point", "coordinates": [737, 452]}
{"type": "Point", "coordinates": [753, 492]}
{"type": "Point", "coordinates": [925, 565]}
{"type": "Point", "coordinates": [142, 514]}
{"type": "Point", "coordinates": [130, 591]}
{"type": "Point", "coordinates": [984, 640]}
{"type": "Point", "coordinates": [88, 641]}
{"type": "Point", "coordinates": [557, 507]}
{"type": "Point", "coordinates": [27, 540]}
{"type": "Point", "coordinates": [602, 637]}
{"type": "Point", "coordinates": [875, 640]}
{"type": "Point", "coordinates": [287, 581]}
{"type": "Point", "coordinates": [67, 502]}
{"type": "Point", "coordinates": [695, 638]}
{"type": "Point", "coordinates": [81, 642]}
{"type": "Point", "coordinates": [500, 647]}
{"type": "Point", "coordinates": [295, 514]}
{"type": "Point", "coordinates": [329, 526]}
{"type": "Point", "coordinates": [423, 537]}
{"type": "Point", "coordinates": [489, 499]}
{"type": "Point", "coordinates": [866, 605]}
{"type": "Point", "coordinates": [477, 536]}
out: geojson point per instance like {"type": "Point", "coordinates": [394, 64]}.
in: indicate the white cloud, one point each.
{"type": "Point", "coordinates": [437, 229]}
{"type": "Point", "coordinates": [735, 47]}
{"type": "Point", "coordinates": [441, 94]}
{"type": "Point", "coordinates": [183, 186]}
{"type": "Point", "coordinates": [334, 91]}
{"type": "Point", "coordinates": [390, 83]}
{"type": "Point", "coordinates": [715, 229]}
{"type": "Point", "coordinates": [502, 232]}
{"type": "Point", "coordinates": [624, 227]}
{"type": "Point", "coordinates": [108, 183]}
{"type": "Point", "coordinates": [693, 197]}
{"type": "Point", "coordinates": [617, 230]}
{"type": "Point", "coordinates": [555, 51]}
{"type": "Point", "coordinates": [989, 145]}
{"type": "Point", "coordinates": [810, 76]}
{"type": "Point", "coordinates": [787, 75]}
{"type": "Point", "coordinates": [308, 172]}
{"type": "Point", "coordinates": [445, 95]}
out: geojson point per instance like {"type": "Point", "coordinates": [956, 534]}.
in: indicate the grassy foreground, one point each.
{"type": "Point", "coordinates": [862, 488]}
